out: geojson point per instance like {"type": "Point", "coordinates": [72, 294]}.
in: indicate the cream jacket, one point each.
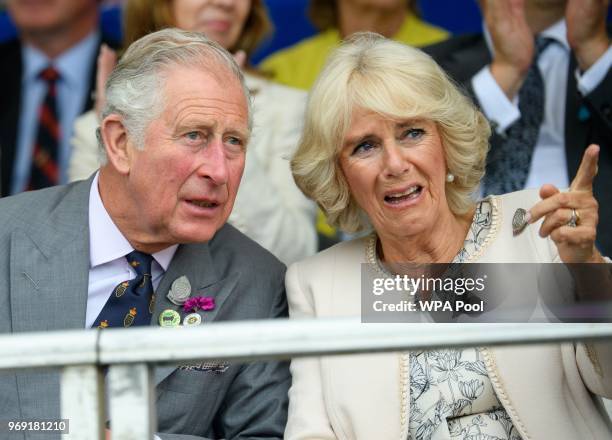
{"type": "Point", "coordinates": [548, 390]}
{"type": "Point", "coordinates": [269, 207]}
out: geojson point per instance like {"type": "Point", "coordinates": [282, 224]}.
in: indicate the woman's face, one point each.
{"type": "Point", "coordinates": [220, 20]}
{"type": "Point", "coordinates": [396, 172]}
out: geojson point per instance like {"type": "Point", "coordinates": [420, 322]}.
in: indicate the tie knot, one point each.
{"type": "Point", "coordinates": [49, 74]}
{"type": "Point", "coordinates": [141, 262]}
{"type": "Point", "coordinates": [541, 43]}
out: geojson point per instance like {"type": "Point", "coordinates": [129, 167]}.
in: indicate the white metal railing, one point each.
{"type": "Point", "coordinates": [131, 353]}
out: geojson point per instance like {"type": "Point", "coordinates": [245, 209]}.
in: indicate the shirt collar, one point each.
{"type": "Point", "coordinates": [557, 32]}
{"type": "Point", "coordinates": [106, 242]}
{"type": "Point", "coordinates": [69, 64]}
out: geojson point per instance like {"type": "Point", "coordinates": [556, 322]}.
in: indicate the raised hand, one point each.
{"type": "Point", "coordinates": [240, 57]}
{"type": "Point", "coordinates": [570, 218]}
{"type": "Point", "coordinates": [512, 43]}
{"type": "Point", "coordinates": [107, 59]}
{"type": "Point", "coordinates": [586, 30]}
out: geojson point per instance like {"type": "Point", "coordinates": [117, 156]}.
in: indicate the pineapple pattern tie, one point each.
{"type": "Point", "coordinates": [131, 302]}
{"type": "Point", "coordinates": [44, 171]}
{"type": "Point", "coordinates": [508, 165]}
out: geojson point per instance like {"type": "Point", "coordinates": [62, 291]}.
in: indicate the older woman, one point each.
{"type": "Point", "coordinates": [269, 208]}
{"type": "Point", "coordinates": [391, 144]}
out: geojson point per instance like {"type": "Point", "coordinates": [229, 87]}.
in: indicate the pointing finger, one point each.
{"type": "Point", "coordinates": [587, 171]}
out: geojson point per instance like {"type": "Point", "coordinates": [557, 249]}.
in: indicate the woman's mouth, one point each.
{"type": "Point", "coordinates": [409, 194]}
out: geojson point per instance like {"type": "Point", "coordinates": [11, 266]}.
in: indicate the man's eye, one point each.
{"type": "Point", "coordinates": [413, 133]}
{"type": "Point", "coordinates": [193, 135]}
{"type": "Point", "coordinates": [363, 147]}
{"type": "Point", "coordinates": [234, 141]}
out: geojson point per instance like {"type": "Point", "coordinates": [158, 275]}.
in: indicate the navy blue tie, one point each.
{"type": "Point", "coordinates": [131, 302]}
{"type": "Point", "coordinates": [508, 164]}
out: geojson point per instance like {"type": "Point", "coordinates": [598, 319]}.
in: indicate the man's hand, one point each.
{"type": "Point", "coordinates": [586, 30]}
{"type": "Point", "coordinates": [512, 43]}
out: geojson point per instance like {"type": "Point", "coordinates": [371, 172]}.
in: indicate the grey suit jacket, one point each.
{"type": "Point", "coordinates": [44, 264]}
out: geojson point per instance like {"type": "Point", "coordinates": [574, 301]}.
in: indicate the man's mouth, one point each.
{"type": "Point", "coordinates": [203, 203]}
{"type": "Point", "coordinates": [410, 193]}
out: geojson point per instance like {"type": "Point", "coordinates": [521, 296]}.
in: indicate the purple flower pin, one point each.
{"type": "Point", "coordinates": [199, 302]}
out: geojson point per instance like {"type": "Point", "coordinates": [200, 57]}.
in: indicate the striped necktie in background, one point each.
{"type": "Point", "coordinates": [44, 171]}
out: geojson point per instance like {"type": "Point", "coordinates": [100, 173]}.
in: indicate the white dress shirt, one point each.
{"type": "Point", "coordinates": [548, 163]}
{"type": "Point", "coordinates": [107, 250]}
{"type": "Point", "coordinates": [75, 67]}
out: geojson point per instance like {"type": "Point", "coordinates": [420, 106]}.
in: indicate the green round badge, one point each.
{"type": "Point", "coordinates": [169, 318]}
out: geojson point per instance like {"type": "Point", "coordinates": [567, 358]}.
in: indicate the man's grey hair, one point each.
{"type": "Point", "coordinates": [134, 90]}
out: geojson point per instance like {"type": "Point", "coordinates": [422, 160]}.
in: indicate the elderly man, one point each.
{"type": "Point", "coordinates": [146, 232]}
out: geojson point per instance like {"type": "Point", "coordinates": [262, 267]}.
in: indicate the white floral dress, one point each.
{"type": "Point", "coordinates": [451, 395]}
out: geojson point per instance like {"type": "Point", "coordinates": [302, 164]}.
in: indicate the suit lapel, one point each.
{"type": "Point", "coordinates": [195, 262]}
{"type": "Point", "coordinates": [50, 267]}
{"type": "Point", "coordinates": [575, 130]}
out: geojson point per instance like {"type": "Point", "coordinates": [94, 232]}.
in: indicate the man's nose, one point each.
{"type": "Point", "coordinates": [214, 163]}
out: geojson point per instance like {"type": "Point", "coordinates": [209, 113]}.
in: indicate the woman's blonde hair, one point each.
{"type": "Point", "coordinates": [141, 17]}
{"type": "Point", "coordinates": [399, 82]}
{"type": "Point", "coordinates": [324, 13]}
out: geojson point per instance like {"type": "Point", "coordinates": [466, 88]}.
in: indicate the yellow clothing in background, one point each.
{"type": "Point", "coordinates": [299, 65]}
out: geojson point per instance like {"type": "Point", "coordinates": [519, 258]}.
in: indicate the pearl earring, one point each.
{"type": "Point", "coordinates": [450, 177]}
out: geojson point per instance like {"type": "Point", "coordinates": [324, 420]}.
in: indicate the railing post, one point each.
{"type": "Point", "coordinates": [131, 402]}
{"type": "Point", "coordinates": [82, 402]}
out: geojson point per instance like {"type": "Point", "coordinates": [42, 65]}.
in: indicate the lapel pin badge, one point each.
{"type": "Point", "coordinates": [169, 318]}
{"type": "Point", "coordinates": [192, 319]}
{"type": "Point", "coordinates": [180, 291]}
{"type": "Point", "coordinates": [520, 220]}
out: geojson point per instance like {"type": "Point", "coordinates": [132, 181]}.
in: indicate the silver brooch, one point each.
{"type": "Point", "coordinates": [519, 221]}
{"type": "Point", "coordinates": [180, 291]}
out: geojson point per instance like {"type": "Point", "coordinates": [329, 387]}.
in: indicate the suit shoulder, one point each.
{"type": "Point", "coordinates": [233, 247]}
{"type": "Point", "coordinates": [32, 208]}
{"type": "Point", "coordinates": [10, 47]}
{"type": "Point", "coordinates": [10, 54]}
{"type": "Point", "coordinates": [454, 45]}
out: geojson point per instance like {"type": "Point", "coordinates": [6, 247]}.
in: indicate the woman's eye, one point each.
{"type": "Point", "coordinates": [413, 133]}
{"type": "Point", "coordinates": [363, 147]}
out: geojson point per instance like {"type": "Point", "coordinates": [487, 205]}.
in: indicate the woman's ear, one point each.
{"type": "Point", "coordinates": [116, 143]}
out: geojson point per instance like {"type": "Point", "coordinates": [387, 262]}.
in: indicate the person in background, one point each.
{"type": "Point", "coordinates": [269, 208]}
{"type": "Point", "coordinates": [405, 150]}
{"type": "Point", "coordinates": [541, 73]}
{"type": "Point", "coordinates": [47, 74]}
{"type": "Point", "coordinates": [299, 65]}
{"type": "Point", "coordinates": [144, 242]}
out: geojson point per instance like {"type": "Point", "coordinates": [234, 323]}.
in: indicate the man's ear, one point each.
{"type": "Point", "coordinates": [115, 138]}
